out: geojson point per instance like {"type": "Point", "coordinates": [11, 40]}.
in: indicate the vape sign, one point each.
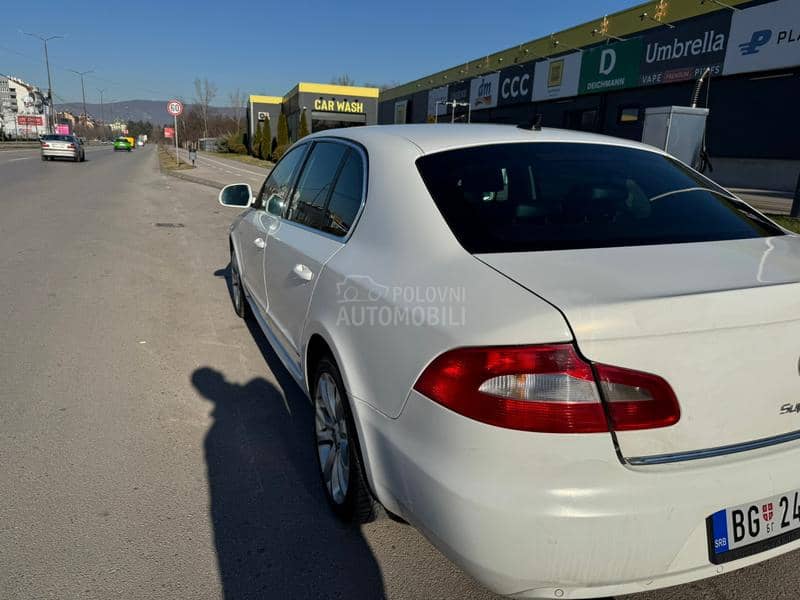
{"type": "Point", "coordinates": [684, 53]}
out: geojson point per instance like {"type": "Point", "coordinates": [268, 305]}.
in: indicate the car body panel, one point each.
{"type": "Point", "coordinates": [527, 513]}
{"type": "Point", "coordinates": [705, 317]}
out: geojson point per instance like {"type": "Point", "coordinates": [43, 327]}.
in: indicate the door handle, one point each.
{"type": "Point", "coordinates": [260, 243]}
{"type": "Point", "coordinates": [303, 272]}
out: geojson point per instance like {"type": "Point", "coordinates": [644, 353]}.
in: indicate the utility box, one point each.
{"type": "Point", "coordinates": [678, 130]}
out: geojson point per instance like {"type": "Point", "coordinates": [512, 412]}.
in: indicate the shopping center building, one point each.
{"type": "Point", "coordinates": [601, 76]}
{"type": "Point", "coordinates": [327, 106]}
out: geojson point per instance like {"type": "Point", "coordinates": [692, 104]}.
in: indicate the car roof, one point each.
{"type": "Point", "coordinates": [431, 138]}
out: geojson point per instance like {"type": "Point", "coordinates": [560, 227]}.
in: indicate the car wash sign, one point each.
{"type": "Point", "coordinates": [764, 37]}
{"type": "Point", "coordinates": [684, 53]}
{"type": "Point", "coordinates": [611, 67]}
{"type": "Point", "coordinates": [516, 84]}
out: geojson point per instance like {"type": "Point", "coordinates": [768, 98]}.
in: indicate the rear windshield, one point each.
{"type": "Point", "coordinates": [57, 138]}
{"type": "Point", "coordinates": [557, 196]}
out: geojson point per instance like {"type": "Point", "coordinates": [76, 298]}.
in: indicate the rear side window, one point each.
{"type": "Point", "coordinates": [315, 184]}
{"type": "Point", "coordinates": [555, 196]}
{"type": "Point", "coordinates": [346, 197]}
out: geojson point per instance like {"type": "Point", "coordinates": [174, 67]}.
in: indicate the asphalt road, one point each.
{"type": "Point", "coordinates": [150, 444]}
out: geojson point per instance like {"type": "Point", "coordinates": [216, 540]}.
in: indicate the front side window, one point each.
{"type": "Point", "coordinates": [554, 196]}
{"type": "Point", "coordinates": [280, 179]}
{"type": "Point", "coordinates": [315, 183]}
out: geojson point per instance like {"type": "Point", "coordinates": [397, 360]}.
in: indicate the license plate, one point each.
{"type": "Point", "coordinates": [746, 529]}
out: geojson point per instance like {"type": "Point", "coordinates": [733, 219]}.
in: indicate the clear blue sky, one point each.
{"type": "Point", "coordinates": [142, 49]}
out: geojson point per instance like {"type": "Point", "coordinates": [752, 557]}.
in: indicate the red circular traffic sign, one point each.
{"type": "Point", "coordinates": [175, 108]}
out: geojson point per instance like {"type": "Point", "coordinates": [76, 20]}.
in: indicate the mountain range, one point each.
{"type": "Point", "coordinates": [154, 111]}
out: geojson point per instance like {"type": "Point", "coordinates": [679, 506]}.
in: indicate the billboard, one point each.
{"type": "Point", "coordinates": [436, 99]}
{"type": "Point", "coordinates": [62, 129]}
{"type": "Point", "coordinates": [30, 120]}
{"type": "Point", "coordinates": [483, 91]}
{"type": "Point", "coordinates": [557, 77]}
{"type": "Point", "coordinates": [683, 53]}
{"type": "Point", "coordinates": [169, 132]}
{"type": "Point", "coordinates": [401, 112]}
{"type": "Point", "coordinates": [764, 37]}
{"type": "Point", "coordinates": [516, 84]}
{"type": "Point", "coordinates": [611, 67]}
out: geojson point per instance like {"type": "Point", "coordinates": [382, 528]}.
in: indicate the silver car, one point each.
{"type": "Point", "coordinates": [63, 146]}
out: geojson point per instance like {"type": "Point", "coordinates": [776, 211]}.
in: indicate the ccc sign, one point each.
{"type": "Point", "coordinates": [516, 85]}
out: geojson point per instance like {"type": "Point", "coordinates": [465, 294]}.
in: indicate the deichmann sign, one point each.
{"type": "Point", "coordinates": [483, 91]}
{"type": "Point", "coordinates": [764, 37]}
{"type": "Point", "coordinates": [436, 99]}
{"type": "Point", "coordinates": [557, 77]}
{"type": "Point", "coordinates": [684, 53]}
{"type": "Point", "coordinates": [611, 67]}
{"type": "Point", "coordinates": [516, 84]}
{"type": "Point", "coordinates": [338, 105]}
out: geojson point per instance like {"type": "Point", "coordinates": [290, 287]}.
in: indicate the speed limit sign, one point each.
{"type": "Point", "coordinates": [175, 108]}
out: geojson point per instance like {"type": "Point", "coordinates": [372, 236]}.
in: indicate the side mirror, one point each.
{"type": "Point", "coordinates": [236, 194]}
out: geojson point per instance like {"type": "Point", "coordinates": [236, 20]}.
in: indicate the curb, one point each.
{"type": "Point", "coordinates": [207, 182]}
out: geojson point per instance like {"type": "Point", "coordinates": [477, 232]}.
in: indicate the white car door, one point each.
{"type": "Point", "coordinates": [254, 227]}
{"type": "Point", "coordinates": [324, 204]}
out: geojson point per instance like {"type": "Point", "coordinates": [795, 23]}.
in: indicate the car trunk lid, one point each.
{"type": "Point", "coordinates": [719, 321]}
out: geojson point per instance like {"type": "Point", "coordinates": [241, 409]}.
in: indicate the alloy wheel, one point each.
{"type": "Point", "coordinates": [333, 442]}
{"type": "Point", "coordinates": [236, 284]}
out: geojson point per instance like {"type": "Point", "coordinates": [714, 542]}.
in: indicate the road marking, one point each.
{"type": "Point", "coordinates": [23, 158]}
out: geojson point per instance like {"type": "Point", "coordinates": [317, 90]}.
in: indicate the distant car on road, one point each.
{"type": "Point", "coordinates": [62, 146]}
{"type": "Point", "coordinates": [570, 360]}
{"type": "Point", "coordinates": [122, 144]}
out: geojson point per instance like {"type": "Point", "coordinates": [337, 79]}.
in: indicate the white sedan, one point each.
{"type": "Point", "coordinates": [569, 360]}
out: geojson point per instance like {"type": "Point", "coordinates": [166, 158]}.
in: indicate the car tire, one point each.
{"type": "Point", "coordinates": [83, 156]}
{"type": "Point", "coordinates": [44, 158]}
{"type": "Point", "coordinates": [337, 448]}
{"type": "Point", "coordinates": [240, 306]}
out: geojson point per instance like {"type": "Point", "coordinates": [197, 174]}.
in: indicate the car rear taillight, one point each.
{"type": "Point", "coordinates": [71, 146]}
{"type": "Point", "coordinates": [45, 145]}
{"type": "Point", "coordinates": [548, 389]}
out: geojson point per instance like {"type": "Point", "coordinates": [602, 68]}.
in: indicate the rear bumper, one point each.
{"type": "Point", "coordinates": [558, 516]}
{"type": "Point", "coordinates": [56, 153]}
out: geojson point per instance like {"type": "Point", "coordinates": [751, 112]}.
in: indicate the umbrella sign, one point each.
{"type": "Point", "coordinates": [175, 108]}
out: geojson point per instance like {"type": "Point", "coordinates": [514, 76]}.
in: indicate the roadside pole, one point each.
{"type": "Point", "coordinates": [795, 212]}
{"type": "Point", "coordinates": [177, 157]}
{"type": "Point", "coordinates": [175, 108]}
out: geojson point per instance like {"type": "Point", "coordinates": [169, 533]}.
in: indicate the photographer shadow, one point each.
{"type": "Point", "coordinates": [274, 532]}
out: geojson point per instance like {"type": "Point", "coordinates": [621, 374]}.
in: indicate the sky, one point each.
{"type": "Point", "coordinates": [143, 49]}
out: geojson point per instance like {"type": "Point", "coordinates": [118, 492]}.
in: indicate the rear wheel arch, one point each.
{"type": "Point", "coordinates": [318, 348]}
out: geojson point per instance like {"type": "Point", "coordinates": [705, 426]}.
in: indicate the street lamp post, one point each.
{"type": "Point", "coordinates": [83, 89]}
{"type": "Point", "coordinates": [102, 111]}
{"type": "Point", "coordinates": [52, 116]}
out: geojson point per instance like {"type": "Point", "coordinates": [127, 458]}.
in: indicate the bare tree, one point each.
{"type": "Point", "coordinates": [204, 94]}
{"type": "Point", "coordinates": [237, 101]}
{"type": "Point", "coordinates": [343, 79]}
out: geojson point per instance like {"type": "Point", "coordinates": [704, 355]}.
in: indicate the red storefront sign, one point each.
{"type": "Point", "coordinates": [30, 120]}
